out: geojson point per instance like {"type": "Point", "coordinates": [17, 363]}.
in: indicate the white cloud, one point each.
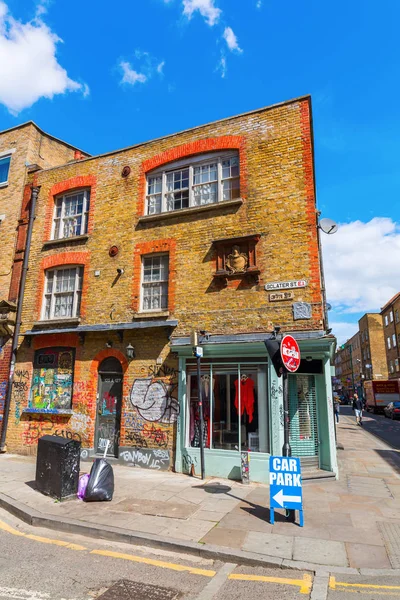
{"type": "Point", "coordinates": [222, 66]}
{"type": "Point", "coordinates": [131, 76]}
{"type": "Point", "coordinates": [160, 67]}
{"type": "Point", "coordinates": [231, 40]}
{"type": "Point", "coordinates": [29, 69]}
{"type": "Point", "coordinates": [343, 330]}
{"type": "Point", "coordinates": [206, 8]}
{"type": "Point", "coordinates": [259, 4]}
{"type": "Point", "coordinates": [361, 264]}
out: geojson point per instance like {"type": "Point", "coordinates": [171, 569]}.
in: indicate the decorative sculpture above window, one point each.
{"type": "Point", "coordinates": [236, 257]}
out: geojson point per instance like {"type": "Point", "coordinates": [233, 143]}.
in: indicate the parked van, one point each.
{"type": "Point", "coordinates": [379, 394]}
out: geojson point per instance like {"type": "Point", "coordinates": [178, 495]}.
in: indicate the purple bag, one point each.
{"type": "Point", "coordinates": [82, 485]}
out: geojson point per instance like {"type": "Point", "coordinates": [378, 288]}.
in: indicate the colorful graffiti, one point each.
{"type": "Point", "coordinates": [20, 391]}
{"type": "Point", "coordinates": [52, 379]}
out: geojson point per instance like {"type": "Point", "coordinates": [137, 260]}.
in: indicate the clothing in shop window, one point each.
{"type": "Point", "coordinates": [246, 396]}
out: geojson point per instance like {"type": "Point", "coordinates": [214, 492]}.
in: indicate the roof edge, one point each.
{"type": "Point", "coordinates": [306, 97]}
{"type": "Point", "coordinates": [53, 137]}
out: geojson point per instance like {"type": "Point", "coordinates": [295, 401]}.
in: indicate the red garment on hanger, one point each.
{"type": "Point", "coordinates": [246, 397]}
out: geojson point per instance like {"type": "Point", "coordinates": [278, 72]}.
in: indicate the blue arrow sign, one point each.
{"type": "Point", "coordinates": [285, 482]}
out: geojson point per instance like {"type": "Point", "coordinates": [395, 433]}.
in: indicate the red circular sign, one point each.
{"type": "Point", "coordinates": [290, 353]}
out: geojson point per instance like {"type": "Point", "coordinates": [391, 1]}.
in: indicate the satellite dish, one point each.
{"type": "Point", "coordinates": [328, 226]}
{"type": "Point", "coordinates": [328, 306]}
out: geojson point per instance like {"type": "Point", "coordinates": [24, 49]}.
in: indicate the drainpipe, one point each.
{"type": "Point", "coordinates": [21, 292]}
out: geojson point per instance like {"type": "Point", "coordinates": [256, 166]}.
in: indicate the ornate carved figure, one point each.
{"type": "Point", "coordinates": [237, 261]}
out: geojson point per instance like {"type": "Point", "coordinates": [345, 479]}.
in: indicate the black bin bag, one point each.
{"type": "Point", "coordinates": [101, 482]}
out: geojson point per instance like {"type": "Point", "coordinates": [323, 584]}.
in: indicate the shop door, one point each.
{"type": "Point", "coordinates": [303, 418]}
{"type": "Point", "coordinates": [109, 401]}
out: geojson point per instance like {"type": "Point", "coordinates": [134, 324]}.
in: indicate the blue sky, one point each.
{"type": "Point", "coordinates": [188, 62]}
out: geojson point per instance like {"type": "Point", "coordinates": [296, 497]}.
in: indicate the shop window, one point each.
{"type": "Point", "coordinates": [234, 406]}
{"type": "Point", "coordinates": [63, 290]}
{"type": "Point", "coordinates": [207, 179]}
{"type": "Point", "coordinates": [4, 169]}
{"type": "Point", "coordinates": [52, 379]}
{"type": "Point", "coordinates": [154, 296]}
{"type": "Point", "coordinates": [71, 214]}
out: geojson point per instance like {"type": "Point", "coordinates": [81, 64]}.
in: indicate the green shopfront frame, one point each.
{"type": "Point", "coordinates": [234, 422]}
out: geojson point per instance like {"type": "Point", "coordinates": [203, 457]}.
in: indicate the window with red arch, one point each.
{"type": "Point", "coordinates": [193, 181]}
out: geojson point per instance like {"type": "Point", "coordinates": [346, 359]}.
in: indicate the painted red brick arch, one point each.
{"type": "Point", "coordinates": [226, 142]}
{"type": "Point", "coordinates": [166, 245]}
{"type": "Point", "coordinates": [59, 260]}
{"type": "Point", "coordinates": [74, 183]}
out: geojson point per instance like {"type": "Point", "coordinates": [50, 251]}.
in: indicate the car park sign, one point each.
{"type": "Point", "coordinates": [285, 482]}
{"type": "Point", "coordinates": [290, 353]}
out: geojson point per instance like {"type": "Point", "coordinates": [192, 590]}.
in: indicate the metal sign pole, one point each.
{"type": "Point", "coordinates": [200, 401]}
{"type": "Point", "coordinates": [286, 449]}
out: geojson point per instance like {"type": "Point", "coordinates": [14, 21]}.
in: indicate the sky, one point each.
{"type": "Point", "coordinates": [104, 76]}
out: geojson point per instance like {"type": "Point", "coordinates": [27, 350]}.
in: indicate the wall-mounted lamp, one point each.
{"type": "Point", "coordinates": [109, 344]}
{"type": "Point", "coordinates": [130, 352]}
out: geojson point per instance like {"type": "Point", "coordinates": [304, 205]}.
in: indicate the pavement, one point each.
{"type": "Point", "coordinates": [351, 525]}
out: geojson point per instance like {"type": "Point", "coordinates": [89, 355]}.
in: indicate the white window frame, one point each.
{"type": "Point", "coordinates": [394, 342]}
{"type": "Point", "coordinates": [391, 316]}
{"type": "Point", "coordinates": [391, 368]}
{"type": "Point", "coordinates": [144, 284]}
{"type": "Point", "coordinates": [388, 343]}
{"type": "Point", "coordinates": [77, 292]}
{"type": "Point", "coordinates": [85, 213]}
{"type": "Point", "coordinates": [4, 155]}
{"type": "Point", "coordinates": [396, 364]}
{"type": "Point", "coordinates": [190, 164]}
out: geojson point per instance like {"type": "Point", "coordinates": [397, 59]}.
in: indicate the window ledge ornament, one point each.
{"type": "Point", "coordinates": [7, 318]}
{"type": "Point", "coordinates": [236, 258]}
{"type": "Point", "coordinates": [69, 241]}
{"type": "Point", "coordinates": [51, 323]}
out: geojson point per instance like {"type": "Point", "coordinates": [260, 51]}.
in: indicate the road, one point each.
{"type": "Point", "coordinates": [386, 429]}
{"type": "Point", "coordinates": [39, 564]}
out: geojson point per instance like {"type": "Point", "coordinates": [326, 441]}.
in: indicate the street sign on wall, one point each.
{"type": "Point", "coordinates": [286, 285]}
{"type": "Point", "coordinates": [285, 482]}
{"type": "Point", "coordinates": [290, 353]}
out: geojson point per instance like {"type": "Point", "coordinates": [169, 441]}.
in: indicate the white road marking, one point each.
{"type": "Point", "coordinates": [212, 588]}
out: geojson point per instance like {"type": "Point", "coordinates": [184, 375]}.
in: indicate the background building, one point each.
{"type": "Point", "coordinates": [391, 331]}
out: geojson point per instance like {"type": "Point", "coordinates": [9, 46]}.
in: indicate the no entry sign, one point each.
{"type": "Point", "coordinates": [290, 353]}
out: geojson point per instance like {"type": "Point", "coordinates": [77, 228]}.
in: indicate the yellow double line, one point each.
{"type": "Point", "coordinates": [304, 584]}
{"type": "Point", "coordinates": [363, 588]}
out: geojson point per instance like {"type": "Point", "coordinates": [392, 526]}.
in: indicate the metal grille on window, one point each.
{"type": "Point", "coordinates": [303, 427]}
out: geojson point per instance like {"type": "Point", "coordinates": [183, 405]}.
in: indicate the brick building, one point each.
{"type": "Point", "coordinates": [23, 149]}
{"type": "Point", "coordinates": [211, 230]}
{"type": "Point", "coordinates": [391, 333]}
{"type": "Point", "coordinates": [348, 365]}
{"type": "Point", "coordinates": [373, 354]}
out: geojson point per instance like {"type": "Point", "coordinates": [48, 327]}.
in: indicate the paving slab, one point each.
{"type": "Point", "coordinates": [221, 536]}
{"type": "Point", "coordinates": [363, 555]}
{"type": "Point", "coordinates": [321, 552]}
{"type": "Point", "coordinates": [269, 543]}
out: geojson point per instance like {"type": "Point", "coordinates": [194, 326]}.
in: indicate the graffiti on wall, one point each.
{"type": "Point", "coordinates": [20, 391]}
{"type": "Point", "coordinates": [3, 392]}
{"type": "Point", "coordinates": [37, 426]}
{"type": "Point", "coordinates": [52, 379]}
{"type": "Point", "coordinates": [147, 458]}
{"type": "Point", "coordinates": [154, 401]}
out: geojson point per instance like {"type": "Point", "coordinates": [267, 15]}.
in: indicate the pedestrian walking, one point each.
{"type": "Point", "coordinates": [336, 407]}
{"type": "Point", "coordinates": [358, 408]}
